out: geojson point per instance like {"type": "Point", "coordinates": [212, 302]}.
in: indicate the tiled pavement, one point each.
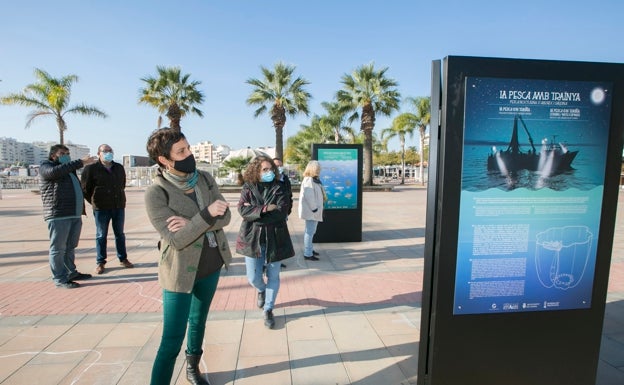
{"type": "Point", "coordinates": [351, 318]}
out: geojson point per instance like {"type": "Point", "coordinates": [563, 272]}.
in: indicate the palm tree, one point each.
{"type": "Point", "coordinates": [336, 116]}
{"type": "Point", "coordinates": [50, 96]}
{"type": "Point", "coordinates": [237, 164]}
{"type": "Point", "coordinates": [373, 92]}
{"type": "Point", "coordinates": [279, 94]}
{"type": "Point", "coordinates": [299, 148]}
{"type": "Point", "coordinates": [422, 106]}
{"type": "Point", "coordinates": [320, 130]}
{"type": "Point", "coordinates": [172, 94]}
{"type": "Point", "coordinates": [402, 125]}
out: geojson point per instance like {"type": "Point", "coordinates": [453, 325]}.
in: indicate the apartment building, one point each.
{"type": "Point", "coordinates": [13, 152]}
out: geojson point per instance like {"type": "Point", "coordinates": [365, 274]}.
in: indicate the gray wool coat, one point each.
{"type": "Point", "coordinates": [180, 251]}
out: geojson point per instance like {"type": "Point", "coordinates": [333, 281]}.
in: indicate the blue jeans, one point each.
{"type": "Point", "coordinates": [102, 219]}
{"type": "Point", "coordinates": [308, 235]}
{"type": "Point", "coordinates": [255, 267]}
{"type": "Point", "coordinates": [180, 309]}
{"type": "Point", "coordinates": [64, 237]}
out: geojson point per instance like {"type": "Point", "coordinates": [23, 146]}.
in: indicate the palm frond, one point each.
{"type": "Point", "coordinates": [279, 95]}
{"type": "Point", "coordinates": [50, 96]}
{"type": "Point", "coordinates": [172, 88]}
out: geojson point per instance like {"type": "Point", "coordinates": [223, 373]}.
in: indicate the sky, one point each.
{"type": "Point", "coordinates": [111, 45]}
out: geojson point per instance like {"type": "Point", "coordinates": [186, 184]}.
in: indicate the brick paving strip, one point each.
{"type": "Point", "coordinates": [349, 274]}
{"type": "Point", "coordinates": [124, 296]}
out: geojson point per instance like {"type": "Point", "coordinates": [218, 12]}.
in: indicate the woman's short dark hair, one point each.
{"type": "Point", "coordinates": [161, 141]}
{"type": "Point", "coordinates": [254, 169]}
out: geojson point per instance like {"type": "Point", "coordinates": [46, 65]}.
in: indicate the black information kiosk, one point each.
{"type": "Point", "coordinates": [341, 174]}
{"type": "Point", "coordinates": [524, 174]}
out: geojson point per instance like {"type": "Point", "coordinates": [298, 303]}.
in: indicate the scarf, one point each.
{"type": "Point", "coordinates": [186, 183]}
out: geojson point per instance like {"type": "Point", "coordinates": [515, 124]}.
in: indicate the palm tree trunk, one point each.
{"type": "Point", "coordinates": [174, 114]}
{"type": "Point", "coordinates": [279, 143]}
{"type": "Point", "coordinates": [175, 124]}
{"type": "Point", "coordinates": [61, 127]}
{"type": "Point", "coordinates": [368, 124]}
{"type": "Point", "coordinates": [368, 158]}
{"type": "Point", "coordinates": [402, 161]}
{"type": "Point", "coordinates": [422, 154]}
{"type": "Point", "coordinates": [278, 116]}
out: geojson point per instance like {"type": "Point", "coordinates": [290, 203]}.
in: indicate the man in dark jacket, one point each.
{"type": "Point", "coordinates": [103, 184]}
{"type": "Point", "coordinates": [285, 180]}
{"type": "Point", "coordinates": [63, 206]}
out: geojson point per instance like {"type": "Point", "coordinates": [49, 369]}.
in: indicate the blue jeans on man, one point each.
{"type": "Point", "coordinates": [102, 220]}
{"type": "Point", "coordinates": [64, 237]}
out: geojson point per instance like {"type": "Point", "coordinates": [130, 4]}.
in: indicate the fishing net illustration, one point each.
{"type": "Point", "coordinates": [561, 256]}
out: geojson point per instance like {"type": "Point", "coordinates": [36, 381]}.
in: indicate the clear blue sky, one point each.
{"type": "Point", "coordinates": [112, 44]}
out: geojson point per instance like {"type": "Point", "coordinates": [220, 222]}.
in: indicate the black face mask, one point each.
{"type": "Point", "coordinates": [186, 165]}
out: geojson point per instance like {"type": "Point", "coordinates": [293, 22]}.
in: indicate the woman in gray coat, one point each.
{"type": "Point", "coordinates": [188, 211]}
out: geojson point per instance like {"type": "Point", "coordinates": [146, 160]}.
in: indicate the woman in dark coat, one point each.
{"type": "Point", "coordinates": [263, 237]}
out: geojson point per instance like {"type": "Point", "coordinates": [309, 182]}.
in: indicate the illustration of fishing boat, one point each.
{"type": "Point", "coordinates": [552, 158]}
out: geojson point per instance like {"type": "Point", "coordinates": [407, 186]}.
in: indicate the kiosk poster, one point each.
{"type": "Point", "coordinates": [534, 159]}
{"type": "Point", "coordinates": [339, 174]}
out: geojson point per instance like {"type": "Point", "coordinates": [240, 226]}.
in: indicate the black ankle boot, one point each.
{"type": "Point", "coordinates": [193, 374]}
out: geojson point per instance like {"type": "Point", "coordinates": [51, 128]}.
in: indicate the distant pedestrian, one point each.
{"type": "Point", "coordinates": [103, 185]}
{"type": "Point", "coordinates": [186, 208]}
{"type": "Point", "coordinates": [263, 237]}
{"type": "Point", "coordinates": [285, 180]}
{"type": "Point", "coordinates": [63, 207]}
{"type": "Point", "coordinates": [312, 198]}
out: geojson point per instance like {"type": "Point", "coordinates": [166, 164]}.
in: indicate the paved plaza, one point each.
{"type": "Point", "coordinates": [351, 318]}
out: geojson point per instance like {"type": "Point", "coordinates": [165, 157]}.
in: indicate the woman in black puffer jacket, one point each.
{"type": "Point", "coordinates": [263, 238]}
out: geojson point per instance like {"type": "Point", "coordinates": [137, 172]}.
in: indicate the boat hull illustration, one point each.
{"type": "Point", "coordinates": [551, 159]}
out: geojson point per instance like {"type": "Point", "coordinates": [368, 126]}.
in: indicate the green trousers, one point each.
{"type": "Point", "coordinates": [180, 309]}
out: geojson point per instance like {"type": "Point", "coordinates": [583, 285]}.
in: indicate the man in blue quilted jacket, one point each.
{"type": "Point", "coordinates": [63, 207]}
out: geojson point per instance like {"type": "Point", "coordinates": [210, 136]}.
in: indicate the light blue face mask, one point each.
{"type": "Point", "coordinates": [280, 170]}
{"type": "Point", "coordinates": [64, 159]}
{"type": "Point", "coordinates": [268, 176]}
{"type": "Point", "coordinates": [108, 156]}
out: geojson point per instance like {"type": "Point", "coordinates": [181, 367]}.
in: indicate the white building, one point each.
{"type": "Point", "coordinates": [209, 153]}
{"type": "Point", "coordinates": [222, 152]}
{"type": "Point", "coordinates": [203, 152]}
{"type": "Point", "coordinates": [41, 151]}
{"type": "Point", "coordinates": [13, 152]}
{"type": "Point", "coordinates": [136, 161]}
{"type": "Point", "coordinates": [9, 152]}
{"type": "Point", "coordinates": [270, 151]}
